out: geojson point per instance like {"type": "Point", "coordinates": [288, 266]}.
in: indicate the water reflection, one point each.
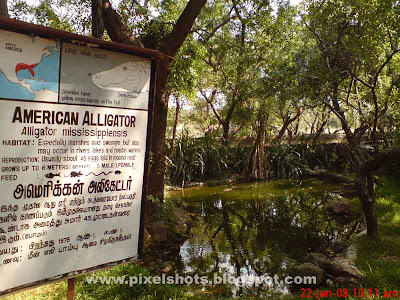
{"type": "Point", "coordinates": [259, 229]}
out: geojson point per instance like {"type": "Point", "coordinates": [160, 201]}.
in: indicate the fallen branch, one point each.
{"type": "Point", "coordinates": [321, 173]}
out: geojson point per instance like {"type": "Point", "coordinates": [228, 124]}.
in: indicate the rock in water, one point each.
{"type": "Point", "coordinates": [307, 270]}
{"type": "Point", "coordinates": [337, 266]}
{"type": "Point", "coordinates": [342, 267]}
{"type": "Point", "coordinates": [319, 260]}
{"type": "Point", "coordinates": [347, 282]}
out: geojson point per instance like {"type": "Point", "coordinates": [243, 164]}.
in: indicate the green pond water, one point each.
{"type": "Point", "coordinates": [258, 229]}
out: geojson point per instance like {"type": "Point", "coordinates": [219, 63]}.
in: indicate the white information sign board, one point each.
{"type": "Point", "coordinates": [73, 134]}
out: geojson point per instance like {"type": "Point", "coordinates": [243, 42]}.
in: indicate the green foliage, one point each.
{"type": "Point", "coordinates": [252, 52]}
{"type": "Point", "coordinates": [214, 158]}
{"type": "Point", "coordinates": [69, 15]}
{"type": "Point", "coordinates": [185, 164]}
{"type": "Point", "coordinates": [285, 162]}
{"type": "Point", "coordinates": [197, 159]}
{"type": "Point", "coordinates": [19, 10]}
{"type": "Point", "coordinates": [45, 15]}
{"type": "Point", "coordinates": [396, 137]}
{"type": "Point", "coordinates": [183, 81]}
{"type": "Point", "coordinates": [238, 158]}
{"type": "Point", "coordinates": [154, 32]}
{"type": "Point", "coordinates": [204, 159]}
{"type": "Point", "coordinates": [322, 156]}
{"type": "Point", "coordinates": [356, 50]}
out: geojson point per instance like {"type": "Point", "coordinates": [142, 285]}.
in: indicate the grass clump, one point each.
{"type": "Point", "coordinates": [54, 291]}
{"type": "Point", "coordinates": [117, 291]}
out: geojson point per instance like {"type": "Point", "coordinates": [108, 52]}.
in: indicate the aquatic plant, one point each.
{"type": "Point", "coordinates": [204, 158]}
{"type": "Point", "coordinates": [285, 162]}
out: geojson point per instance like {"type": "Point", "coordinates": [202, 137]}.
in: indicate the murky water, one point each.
{"type": "Point", "coordinates": [245, 231]}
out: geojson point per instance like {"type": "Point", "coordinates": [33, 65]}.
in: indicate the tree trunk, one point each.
{"type": "Point", "coordinates": [116, 29]}
{"type": "Point", "coordinates": [97, 19]}
{"type": "Point", "coordinates": [170, 47]}
{"type": "Point", "coordinates": [286, 122]}
{"type": "Point", "coordinates": [365, 190]}
{"type": "Point", "coordinates": [364, 170]}
{"type": "Point", "coordinates": [3, 8]}
{"type": "Point", "coordinates": [174, 128]}
{"type": "Point", "coordinates": [257, 166]}
{"type": "Point", "coordinates": [118, 32]}
{"type": "Point", "coordinates": [312, 125]}
{"type": "Point", "coordinates": [225, 134]}
{"type": "Point", "coordinates": [365, 186]}
{"type": "Point", "coordinates": [158, 147]}
{"type": "Point", "coordinates": [319, 131]}
{"type": "Point", "coordinates": [282, 130]}
{"type": "Point", "coordinates": [296, 128]}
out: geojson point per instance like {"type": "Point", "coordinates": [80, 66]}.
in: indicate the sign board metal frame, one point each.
{"type": "Point", "coordinates": [66, 37]}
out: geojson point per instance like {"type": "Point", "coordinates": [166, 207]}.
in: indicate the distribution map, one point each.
{"type": "Point", "coordinates": [29, 67]}
{"type": "Point", "coordinates": [45, 70]}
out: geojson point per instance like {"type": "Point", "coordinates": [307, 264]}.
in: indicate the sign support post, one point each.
{"type": "Point", "coordinates": [71, 289]}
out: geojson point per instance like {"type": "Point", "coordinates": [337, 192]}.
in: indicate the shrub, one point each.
{"type": "Point", "coordinates": [204, 159]}
{"type": "Point", "coordinates": [185, 164]}
{"type": "Point", "coordinates": [285, 162]}
{"type": "Point", "coordinates": [322, 155]}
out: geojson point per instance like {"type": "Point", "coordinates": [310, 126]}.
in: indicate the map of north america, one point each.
{"type": "Point", "coordinates": [29, 67]}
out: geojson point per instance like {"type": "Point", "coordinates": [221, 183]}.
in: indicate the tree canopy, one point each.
{"type": "Point", "coordinates": [267, 70]}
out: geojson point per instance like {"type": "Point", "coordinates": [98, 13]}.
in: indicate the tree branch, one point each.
{"type": "Point", "coordinates": [210, 102]}
{"type": "Point", "coordinates": [3, 8]}
{"type": "Point", "coordinates": [216, 28]}
{"type": "Point", "coordinates": [116, 29]}
{"type": "Point", "coordinates": [380, 159]}
{"type": "Point", "coordinates": [326, 174]}
{"type": "Point", "coordinates": [388, 59]}
{"type": "Point", "coordinates": [182, 28]}
{"type": "Point", "coordinates": [97, 19]}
